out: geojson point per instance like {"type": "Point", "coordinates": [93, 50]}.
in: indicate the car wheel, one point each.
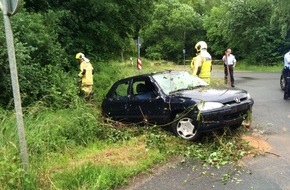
{"type": "Point", "coordinates": [282, 82]}
{"type": "Point", "coordinates": [187, 129]}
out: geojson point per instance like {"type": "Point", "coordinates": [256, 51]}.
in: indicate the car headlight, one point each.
{"type": "Point", "coordinates": [202, 106]}
{"type": "Point", "coordinates": [248, 96]}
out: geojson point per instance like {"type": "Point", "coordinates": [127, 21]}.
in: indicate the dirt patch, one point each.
{"type": "Point", "coordinates": [125, 155]}
{"type": "Point", "coordinates": [258, 143]}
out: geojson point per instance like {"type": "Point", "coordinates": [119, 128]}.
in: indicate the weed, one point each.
{"type": "Point", "coordinates": [91, 176]}
{"type": "Point", "coordinates": [157, 141]}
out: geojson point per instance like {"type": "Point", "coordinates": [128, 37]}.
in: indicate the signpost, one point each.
{"type": "Point", "coordinates": [9, 8]}
{"type": "Point", "coordinates": [183, 51]}
{"type": "Point", "coordinates": [138, 43]}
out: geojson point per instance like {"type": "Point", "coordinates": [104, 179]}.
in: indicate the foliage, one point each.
{"type": "Point", "coordinates": [280, 19]}
{"type": "Point", "coordinates": [232, 22]}
{"type": "Point", "coordinates": [98, 28]}
{"type": "Point", "coordinates": [174, 26]}
{"type": "Point", "coordinates": [48, 34]}
{"type": "Point", "coordinates": [12, 175]}
{"type": "Point", "coordinates": [219, 151]}
{"type": "Point", "coordinates": [45, 33]}
{"type": "Point", "coordinates": [41, 62]}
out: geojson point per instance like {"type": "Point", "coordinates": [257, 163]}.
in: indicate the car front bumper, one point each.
{"type": "Point", "coordinates": [229, 115]}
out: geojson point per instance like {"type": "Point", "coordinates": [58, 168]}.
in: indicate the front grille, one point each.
{"type": "Point", "coordinates": [234, 102]}
{"type": "Point", "coordinates": [234, 111]}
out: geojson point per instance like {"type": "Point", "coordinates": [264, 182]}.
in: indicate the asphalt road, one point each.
{"type": "Point", "coordinates": [271, 120]}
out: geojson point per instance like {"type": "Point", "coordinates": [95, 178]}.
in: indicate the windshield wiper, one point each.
{"type": "Point", "coordinates": [181, 89]}
{"type": "Point", "coordinates": [198, 86]}
{"type": "Point", "coordinates": [189, 88]}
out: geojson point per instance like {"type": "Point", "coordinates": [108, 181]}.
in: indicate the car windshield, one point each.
{"type": "Point", "coordinates": [177, 80]}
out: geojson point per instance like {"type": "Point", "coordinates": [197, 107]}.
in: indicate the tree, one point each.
{"type": "Point", "coordinates": [48, 34]}
{"type": "Point", "coordinates": [172, 27]}
{"type": "Point", "coordinates": [214, 25]}
{"type": "Point", "coordinates": [41, 60]}
{"type": "Point", "coordinates": [100, 28]}
{"type": "Point", "coordinates": [280, 20]}
{"type": "Point", "coordinates": [202, 7]}
{"type": "Point", "coordinates": [245, 27]}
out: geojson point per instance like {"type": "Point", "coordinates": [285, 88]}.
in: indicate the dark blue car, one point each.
{"type": "Point", "coordinates": [177, 99]}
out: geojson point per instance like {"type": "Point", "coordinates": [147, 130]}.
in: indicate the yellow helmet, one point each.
{"type": "Point", "coordinates": [200, 45]}
{"type": "Point", "coordinates": [80, 55]}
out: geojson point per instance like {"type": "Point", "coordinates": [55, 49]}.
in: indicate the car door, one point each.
{"type": "Point", "coordinates": [150, 108]}
{"type": "Point", "coordinates": [115, 104]}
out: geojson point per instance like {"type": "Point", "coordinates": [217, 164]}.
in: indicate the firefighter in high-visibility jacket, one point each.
{"type": "Point", "coordinates": [86, 74]}
{"type": "Point", "coordinates": [201, 64]}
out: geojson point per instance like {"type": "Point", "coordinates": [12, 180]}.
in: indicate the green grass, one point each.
{"type": "Point", "coordinates": [98, 167]}
{"type": "Point", "coordinates": [242, 66]}
{"type": "Point", "coordinates": [260, 68]}
{"type": "Point", "coordinates": [75, 148]}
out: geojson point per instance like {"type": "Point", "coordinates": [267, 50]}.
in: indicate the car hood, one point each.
{"type": "Point", "coordinates": [222, 95]}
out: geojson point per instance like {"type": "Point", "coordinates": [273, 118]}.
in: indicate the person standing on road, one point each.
{"type": "Point", "coordinates": [86, 74]}
{"type": "Point", "coordinates": [286, 74]}
{"type": "Point", "coordinates": [229, 65]}
{"type": "Point", "coordinates": [286, 69]}
{"type": "Point", "coordinates": [287, 60]}
{"type": "Point", "coordinates": [201, 63]}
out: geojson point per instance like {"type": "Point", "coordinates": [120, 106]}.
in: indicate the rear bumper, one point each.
{"type": "Point", "coordinates": [230, 115]}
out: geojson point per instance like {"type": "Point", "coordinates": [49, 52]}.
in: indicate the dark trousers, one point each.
{"type": "Point", "coordinates": [231, 70]}
{"type": "Point", "coordinates": [286, 75]}
{"type": "Point", "coordinates": [286, 72]}
{"type": "Point", "coordinates": [287, 88]}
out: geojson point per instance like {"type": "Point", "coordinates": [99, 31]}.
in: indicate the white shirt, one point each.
{"type": "Point", "coordinates": [230, 59]}
{"type": "Point", "coordinates": [287, 60]}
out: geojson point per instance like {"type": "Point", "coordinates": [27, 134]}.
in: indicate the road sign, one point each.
{"type": "Point", "coordinates": [138, 43]}
{"type": "Point", "coordinates": [11, 6]}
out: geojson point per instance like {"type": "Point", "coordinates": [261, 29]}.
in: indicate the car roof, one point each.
{"type": "Point", "coordinates": [153, 73]}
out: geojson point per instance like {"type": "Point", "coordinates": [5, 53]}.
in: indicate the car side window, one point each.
{"type": "Point", "coordinates": [121, 92]}
{"type": "Point", "coordinates": [143, 90]}
{"type": "Point", "coordinates": [137, 87]}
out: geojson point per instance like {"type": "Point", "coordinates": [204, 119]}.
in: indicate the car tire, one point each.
{"type": "Point", "coordinates": [186, 128]}
{"type": "Point", "coordinates": [282, 82]}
